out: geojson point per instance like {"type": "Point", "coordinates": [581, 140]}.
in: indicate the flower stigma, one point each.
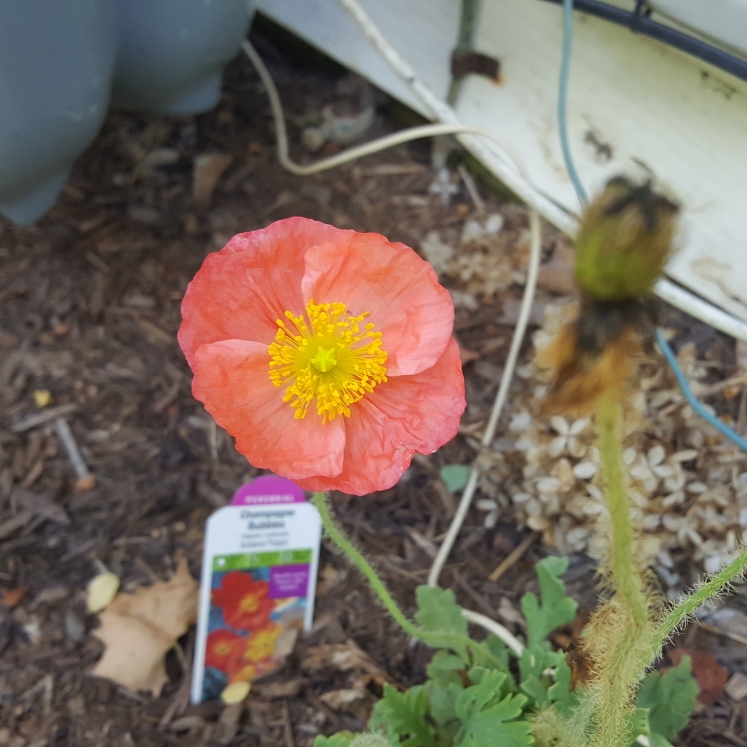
{"type": "Point", "coordinates": [327, 355]}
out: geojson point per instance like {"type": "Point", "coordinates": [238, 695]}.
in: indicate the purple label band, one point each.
{"type": "Point", "coordinates": [289, 581]}
{"type": "Point", "coordinates": [268, 489]}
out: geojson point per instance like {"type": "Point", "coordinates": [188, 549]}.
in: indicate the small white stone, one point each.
{"type": "Point", "coordinates": [672, 523]}
{"type": "Point", "coordinates": [713, 563]}
{"type": "Point", "coordinates": [493, 223]}
{"type": "Point", "coordinates": [548, 485]}
{"type": "Point", "coordinates": [585, 470]}
{"type": "Point", "coordinates": [696, 488]}
{"type": "Point", "coordinates": [686, 455]}
{"type": "Point", "coordinates": [538, 523]}
{"type": "Point", "coordinates": [560, 424]}
{"type": "Point", "coordinates": [486, 504]}
{"type": "Point", "coordinates": [656, 454]}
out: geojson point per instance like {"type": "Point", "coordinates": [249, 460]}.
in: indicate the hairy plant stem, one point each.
{"type": "Point", "coordinates": [431, 638]}
{"type": "Point", "coordinates": [689, 604]}
{"type": "Point", "coordinates": [623, 628]}
{"type": "Point", "coordinates": [629, 586]}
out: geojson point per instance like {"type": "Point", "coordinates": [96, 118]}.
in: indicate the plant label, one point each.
{"type": "Point", "coordinates": [259, 572]}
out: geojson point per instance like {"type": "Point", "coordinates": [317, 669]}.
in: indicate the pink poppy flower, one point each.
{"type": "Point", "coordinates": [326, 353]}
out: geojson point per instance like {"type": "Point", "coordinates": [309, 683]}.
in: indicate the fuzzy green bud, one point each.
{"type": "Point", "coordinates": [624, 241]}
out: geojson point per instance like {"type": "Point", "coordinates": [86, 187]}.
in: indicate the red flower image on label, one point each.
{"type": "Point", "coordinates": [220, 645]}
{"type": "Point", "coordinates": [245, 602]}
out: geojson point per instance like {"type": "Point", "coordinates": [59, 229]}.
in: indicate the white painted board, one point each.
{"type": "Point", "coordinates": [632, 100]}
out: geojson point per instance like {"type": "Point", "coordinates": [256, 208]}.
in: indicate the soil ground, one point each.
{"type": "Point", "coordinates": [89, 309]}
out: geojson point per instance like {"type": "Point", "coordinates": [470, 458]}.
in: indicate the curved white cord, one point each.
{"type": "Point", "coordinates": [496, 629]}
{"type": "Point", "coordinates": [367, 149]}
{"type": "Point", "coordinates": [535, 253]}
{"type": "Point", "coordinates": [375, 146]}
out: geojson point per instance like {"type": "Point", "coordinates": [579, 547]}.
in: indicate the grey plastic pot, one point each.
{"type": "Point", "coordinates": [56, 61]}
{"type": "Point", "coordinates": [171, 53]}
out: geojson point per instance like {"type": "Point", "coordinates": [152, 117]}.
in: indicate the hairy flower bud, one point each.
{"type": "Point", "coordinates": [625, 240]}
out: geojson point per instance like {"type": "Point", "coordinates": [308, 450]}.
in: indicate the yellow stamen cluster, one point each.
{"type": "Point", "coordinates": [329, 356]}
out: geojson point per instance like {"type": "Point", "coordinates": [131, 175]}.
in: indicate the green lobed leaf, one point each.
{"type": "Point", "coordinates": [404, 714]}
{"type": "Point", "coordinates": [455, 476]}
{"type": "Point", "coordinates": [563, 699]}
{"type": "Point", "coordinates": [496, 650]}
{"type": "Point", "coordinates": [487, 719]}
{"type": "Point", "coordinates": [443, 699]}
{"type": "Point", "coordinates": [536, 690]}
{"type": "Point", "coordinates": [341, 739]}
{"type": "Point", "coordinates": [438, 612]}
{"type": "Point", "coordinates": [669, 698]}
{"type": "Point", "coordinates": [444, 668]}
{"type": "Point", "coordinates": [553, 608]}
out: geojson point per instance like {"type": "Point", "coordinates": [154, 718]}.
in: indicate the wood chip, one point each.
{"type": "Point", "coordinates": [42, 418]}
{"type": "Point", "coordinates": [736, 687]}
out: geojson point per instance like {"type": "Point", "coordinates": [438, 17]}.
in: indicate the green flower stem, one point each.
{"type": "Point", "coordinates": [431, 638]}
{"type": "Point", "coordinates": [628, 583]}
{"type": "Point", "coordinates": [688, 606]}
{"type": "Point", "coordinates": [627, 622]}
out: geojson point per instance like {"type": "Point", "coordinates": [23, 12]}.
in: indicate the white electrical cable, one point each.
{"type": "Point", "coordinates": [535, 253]}
{"type": "Point", "coordinates": [496, 629]}
{"type": "Point", "coordinates": [440, 110]}
{"type": "Point", "coordinates": [367, 149]}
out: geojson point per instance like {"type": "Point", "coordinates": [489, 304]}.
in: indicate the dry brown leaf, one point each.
{"type": "Point", "coordinates": [711, 676]}
{"type": "Point", "coordinates": [345, 657]}
{"type": "Point", "coordinates": [208, 169]}
{"type": "Point", "coordinates": [138, 629]}
{"type": "Point", "coordinates": [558, 276]}
{"type": "Point", "coordinates": [356, 700]}
{"type": "Point", "coordinates": [12, 597]}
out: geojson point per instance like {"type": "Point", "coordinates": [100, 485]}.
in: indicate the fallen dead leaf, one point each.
{"type": "Point", "coordinates": [465, 354]}
{"type": "Point", "coordinates": [711, 676]}
{"type": "Point", "coordinates": [41, 505]}
{"type": "Point", "coordinates": [42, 397]}
{"type": "Point", "coordinates": [557, 276]}
{"type": "Point", "coordinates": [285, 689]}
{"type": "Point", "coordinates": [345, 657]}
{"type": "Point", "coordinates": [101, 590]}
{"type": "Point", "coordinates": [236, 692]}
{"type": "Point", "coordinates": [208, 169]}
{"type": "Point", "coordinates": [12, 597]}
{"type": "Point", "coordinates": [138, 629]}
{"type": "Point", "coordinates": [736, 687]}
{"type": "Point", "coordinates": [357, 700]}
{"type": "Point", "coordinates": [328, 578]}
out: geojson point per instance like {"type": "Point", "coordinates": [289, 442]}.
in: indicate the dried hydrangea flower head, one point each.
{"type": "Point", "coordinates": [625, 239]}
{"type": "Point", "coordinates": [326, 353]}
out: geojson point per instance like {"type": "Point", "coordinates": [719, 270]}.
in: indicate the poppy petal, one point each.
{"type": "Point", "coordinates": [408, 414]}
{"type": "Point", "coordinates": [408, 306]}
{"type": "Point", "coordinates": [240, 291]}
{"type": "Point", "coordinates": [231, 379]}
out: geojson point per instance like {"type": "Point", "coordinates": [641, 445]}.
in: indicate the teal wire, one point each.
{"type": "Point", "coordinates": [565, 65]}
{"type": "Point", "coordinates": [733, 436]}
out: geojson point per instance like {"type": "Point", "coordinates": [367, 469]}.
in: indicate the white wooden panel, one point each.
{"type": "Point", "coordinates": [684, 119]}
{"type": "Point", "coordinates": [724, 21]}
{"type": "Point", "coordinates": [424, 32]}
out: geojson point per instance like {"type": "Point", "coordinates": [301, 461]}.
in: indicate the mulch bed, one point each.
{"type": "Point", "coordinates": [89, 309]}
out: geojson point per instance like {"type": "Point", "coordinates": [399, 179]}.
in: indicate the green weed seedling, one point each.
{"type": "Point", "coordinates": [483, 695]}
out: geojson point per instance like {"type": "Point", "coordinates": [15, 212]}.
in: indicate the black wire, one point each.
{"type": "Point", "coordinates": [639, 22]}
